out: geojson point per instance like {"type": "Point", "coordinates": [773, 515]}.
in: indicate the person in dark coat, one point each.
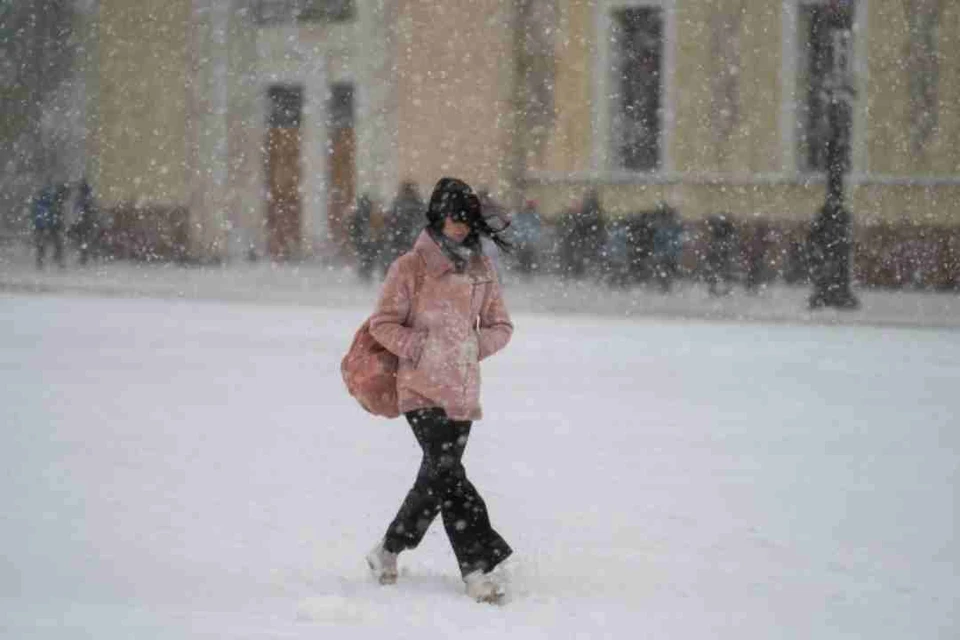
{"type": "Point", "coordinates": [366, 236]}
{"type": "Point", "coordinates": [755, 254]}
{"type": "Point", "coordinates": [590, 230]}
{"type": "Point", "coordinates": [402, 223]}
{"type": "Point", "coordinates": [721, 238]}
{"type": "Point", "coordinates": [86, 228]}
{"type": "Point", "coordinates": [47, 217]}
{"type": "Point", "coordinates": [640, 259]}
{"type": "Point", "coordinates": [527, 227]}
{"type": "Point", "coordinates": [567, 244]}
{"type": "Point", "coordinates": [667, 245]}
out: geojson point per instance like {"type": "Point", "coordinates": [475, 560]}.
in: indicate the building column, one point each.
{"type": "Point", "coordinates": [208, 160]}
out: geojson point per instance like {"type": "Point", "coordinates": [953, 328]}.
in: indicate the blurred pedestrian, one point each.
{"type": "Point", "coordinates": [667, 245]}
{"type": "Point", "coordinates": [755, 255]}
{"type": "Point", "coordinates": [366, 233]}
{"type": "Point", "coordinates": [527, 228]}
{"type": "Point", "coordinates": [583, 238]}
{"type": "Point", "coordinates": [590, 229]}
{"type": "Point", "coordinates": [85, 230]}
{"type": "Point", "coordinates": [640, 239]}
{"type": "Point", "coordinates": [720, 244]}
{"type": "Point", "coordinates": [441, 312]}
{"type": "Point", "coordinates": [402, 222]}
{"type": "Point", "coordinates": [617, 251]}
{"type": "Point", "coordinates": [567, 243]}
{"type": "Point", "coordinates": [47, 216]}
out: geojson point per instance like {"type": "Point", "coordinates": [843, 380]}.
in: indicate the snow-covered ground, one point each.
{"type": "Point", "coordinates": [194, 469]}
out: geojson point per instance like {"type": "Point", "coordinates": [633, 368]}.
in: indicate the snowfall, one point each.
{"type": "Point", "coordinates": [185, 463]}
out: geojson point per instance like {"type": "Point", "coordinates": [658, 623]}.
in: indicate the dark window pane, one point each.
{"type": "Point", "coordinates": [817, 25]}
{"type": "Point", "coordinates": [326, 11]}
{"type": "Point", "coordinates": [814, 62]}
{"type": "Point", "coordinates": [274, 11]}
{"type": "Point", "coordinates": [638, 44]}
{"type": "Point", "coordinates": [341, 105]}
{"type": "Point", "coordinates": [286, 105]}
{"type": "Point", "coordinates": [291, 11]}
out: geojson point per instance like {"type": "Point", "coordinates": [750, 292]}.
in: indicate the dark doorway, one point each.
{"type": "Point", "coordinates": [283, 172]}
{"type": "Point", "coordinates": [341, 162]}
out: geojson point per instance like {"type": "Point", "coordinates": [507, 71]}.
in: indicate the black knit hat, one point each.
{"type": "Point", "coordinates": [455, 199]}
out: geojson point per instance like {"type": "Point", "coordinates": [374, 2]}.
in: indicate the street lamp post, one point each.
{"type": "Point", "coordinates": [831, 237]}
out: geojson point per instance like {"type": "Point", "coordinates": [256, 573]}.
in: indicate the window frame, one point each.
{"type": "Point", "coordinates": [791, 108]}
{"type": "Point", "coordinates": [298, 12]}
{"type": "Point", "coordinates": [604, 157]}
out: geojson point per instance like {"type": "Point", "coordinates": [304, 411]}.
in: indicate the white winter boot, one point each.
{"type": "Point", "coordinates": [486, 587]}
{"type": "Point", "coordinates": [383, 564]}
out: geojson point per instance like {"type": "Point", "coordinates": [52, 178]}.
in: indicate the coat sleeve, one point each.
{"type": "Point", "coordinates": [387, 324]}
{"type": "Point", "coordinates": [495, 324]}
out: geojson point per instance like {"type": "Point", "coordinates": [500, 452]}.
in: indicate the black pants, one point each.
{"type": "Point", "coordinates": [442, 487]}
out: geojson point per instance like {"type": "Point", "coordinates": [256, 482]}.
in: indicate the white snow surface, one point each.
{"type": "Point", "coordinates": [195, 469]}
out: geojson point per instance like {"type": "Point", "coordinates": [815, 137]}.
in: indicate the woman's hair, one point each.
{"type": "Point", "coordinates": [453, 198]}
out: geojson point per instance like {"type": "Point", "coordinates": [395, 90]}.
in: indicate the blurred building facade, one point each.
{"type": "Point", "coordinates": [719, 107]}
{"type": "Point", "coordinates": [224, 128]}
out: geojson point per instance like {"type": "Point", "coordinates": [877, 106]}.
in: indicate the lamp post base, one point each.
{"type": "Point", "coordinates": [838, 299]}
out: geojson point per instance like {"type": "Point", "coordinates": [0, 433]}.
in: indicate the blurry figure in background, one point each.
{"type": "Point", "coordinates": [640, 233]}
{"type": "Point", "coordinates": [796, 270]}
{"type": "Point", "coordinates": [86, 228]}
{"type": "Point", "coordinates": [527, 228]}
{"type": "Point", "coordinates": [755, 255]}
{"type": "Point", "coordinates": [366, 233]}
{"type": "Point", "coordinates": [591, 230]}
{"type": "Point", "coordinates": [566, 241]}
{"type": "Point", "coordinates": [667, 245]}
{"type": "Point", "coordinates": [403, 222]}
{"type": "Point", "coordinates": [617, 251]}
{"type": "Point", "coordinates": [583, 237]}
{"type": "Point", "coordinates": [47, 216]}
{"type": "Point", "coordinates": [720, 239]}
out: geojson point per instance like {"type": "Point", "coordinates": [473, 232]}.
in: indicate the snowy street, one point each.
{"type": "Point", "coordinates": [192, 469]}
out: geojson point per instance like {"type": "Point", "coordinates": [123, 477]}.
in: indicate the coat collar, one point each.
{"type": "Point", "coordinates": [438, 263]}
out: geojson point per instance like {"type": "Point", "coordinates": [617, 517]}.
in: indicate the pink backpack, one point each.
{"type": "Point", "coordinates": [370, 371]}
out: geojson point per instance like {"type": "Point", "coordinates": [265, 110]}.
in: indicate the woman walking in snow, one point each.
{"type": "Point", "coordinates": [441, 312]}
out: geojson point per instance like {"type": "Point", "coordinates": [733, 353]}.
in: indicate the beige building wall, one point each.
{"type": "Point", "coordinates": [141, 136]}
{"type": "Point", "coordinates": [180, 108]}
{"type": "Point", "coordinates": [435, 92]}
{"type": "Point", "coordinates": [746, 165]}
{"type": "Point", "coordinates": [453, 73]}
{"type": "Point", "coordinates": [889, 92]}
{"type": "Point", "coordinates": [568, 149]}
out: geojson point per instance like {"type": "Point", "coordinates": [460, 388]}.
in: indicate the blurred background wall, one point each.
{"type": "Point", "coordinates": [219, 129]}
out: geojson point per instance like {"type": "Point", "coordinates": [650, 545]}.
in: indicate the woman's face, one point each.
{"type": "Point", "coordinates": [456, 231]}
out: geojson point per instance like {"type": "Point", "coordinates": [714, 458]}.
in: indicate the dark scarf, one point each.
{"type": "Point", "coordinates": [458, 254]}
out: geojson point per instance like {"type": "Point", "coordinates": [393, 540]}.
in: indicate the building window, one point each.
{"type": "Point", "coordinates": [286, 106]}
{"type": "Point", "coordinates": [340, 111]}
{"type": "Point", "coordinates": [814, 64]}
{"type": "Point", "coordinates": [327, 11]}
{"type": "Point", "coordinates": [636, 101]}
{"type": "Point", "coordinates": [303, 11]}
